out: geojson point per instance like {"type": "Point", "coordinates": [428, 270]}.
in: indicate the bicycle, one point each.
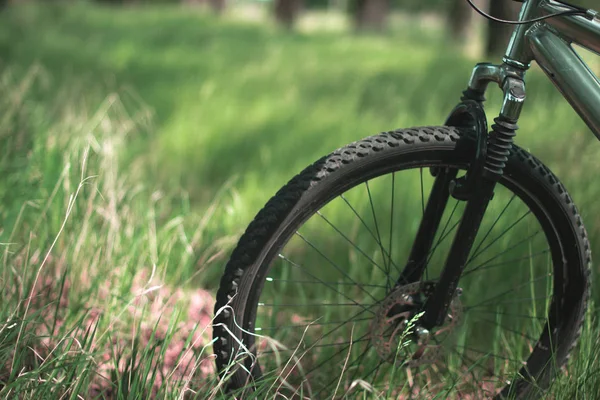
{"type": "Point", "coordinates": [331, 293]}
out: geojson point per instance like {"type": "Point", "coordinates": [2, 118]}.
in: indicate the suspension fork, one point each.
{"type": "Point", "coordinates": [476, 187]}
{"type": "Point", "coordinates": [468, 114]}
{"type": "Point", "coordinates": [440, 193]}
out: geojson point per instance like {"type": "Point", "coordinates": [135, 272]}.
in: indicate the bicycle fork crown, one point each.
{"type": "Point", "coordinates": [510, 79]}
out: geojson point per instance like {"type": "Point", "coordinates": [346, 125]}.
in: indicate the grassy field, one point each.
{"type": "Point", "coordinates": [136, 145]}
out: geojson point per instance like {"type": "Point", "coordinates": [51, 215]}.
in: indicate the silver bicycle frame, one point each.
{"type": "Point", "coordinates": [549, 44]}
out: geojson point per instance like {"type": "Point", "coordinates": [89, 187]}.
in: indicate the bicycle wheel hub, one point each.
{"type": "Point", "coordinates": [395, 331]}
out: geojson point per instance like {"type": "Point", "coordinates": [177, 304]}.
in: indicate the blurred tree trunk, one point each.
{"type": "Point", "coordinates": [3, 4]}
{"type": "Point", "coordinates": [218, 6]}
{"type": "Point", "coordinates": [371, 15]}
{"type": "Point", "coordinates": [115, 1]}
{"type": "Point", "coordinates": [287, 11]}
{"type": "Point", "coordinates": [460, 20]}
{"type": "Point", "coordinates": [499, 34]}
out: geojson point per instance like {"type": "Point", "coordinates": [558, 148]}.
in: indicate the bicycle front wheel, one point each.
{"type": "Point", "coordinates": [310, 305]}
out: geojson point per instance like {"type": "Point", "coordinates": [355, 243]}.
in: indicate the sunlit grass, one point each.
{"type": "Point", "coordinates": [97, 299]}
{"type": "Point", "coordinates": [245, 102]}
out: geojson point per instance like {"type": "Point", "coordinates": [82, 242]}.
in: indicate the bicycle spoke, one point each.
{"type": "Point", "coordinates": [361, 339]}
{"type": "Point", "coordinates": [341, 270]}
{"type": "Point", "coordinates": [442, 238]}
{"type": "Point", "coordinates": [503, 252]}
{"type": "Point", "coordinates": [486, 266]}
{"type": "Point", "coordinates": [384, 270]}
{"type": "Point", "coordinates": [341, 325]}
{"type": "Point", "coordinates": [320, 282]}
{"type": "Point", "coordinates": [474, 363]}
{"type": "Point", "coordinates": [499, 237]}
{"type": "Point", "coordinates": [375, 370]}
{"type": "Point", "coordinates": [387, 277]}
{"type": "Point", "coordinates": [329, 286]}
{"type": "Point", "coordinates": [320, 346]}
{"type": "Point", "coordinates": [511, 301]}
{"type": "Point", "coordinates": [367, 227]}
{"type": "Point", "coordinates": [275, 328]}
{"type": "Point", "coordinates": [313, 305]}
{"type": "Point", "coordinates": [494, 224]}
{"type": "Point", "coordinates": [498, 324]}
{"type": "Point", "coordinates": [495, 312]}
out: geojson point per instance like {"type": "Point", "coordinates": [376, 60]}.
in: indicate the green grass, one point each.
{"type": "Point", "coordinates": [136, 144]}
{"type": "Point", "coordinates": [234, 101]}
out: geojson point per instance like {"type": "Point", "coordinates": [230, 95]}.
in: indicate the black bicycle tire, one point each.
{"type": "Point", "coordinates": [411, 145]}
